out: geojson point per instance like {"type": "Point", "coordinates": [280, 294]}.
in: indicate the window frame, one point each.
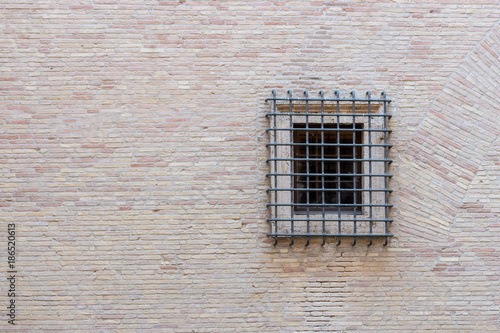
{"type": "Point", "coordinates": [303, 163]}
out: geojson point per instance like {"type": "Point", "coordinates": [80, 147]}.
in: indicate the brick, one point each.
{"type": "Point", "coordinates": [132, 147]}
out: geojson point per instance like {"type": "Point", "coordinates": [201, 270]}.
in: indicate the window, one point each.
{"type": "Point", "coordinates": [329, 167]}
{"type": "Point", "coordinates": [321, 178]}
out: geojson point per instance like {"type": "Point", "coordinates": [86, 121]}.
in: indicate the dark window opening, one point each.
{"type": "Point", "coordinates": [325, 167]}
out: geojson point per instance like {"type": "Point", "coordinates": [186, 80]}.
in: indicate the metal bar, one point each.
{"type": "Point", "coordinates": [370, 167]}
{"type": "Point", "coordinates": [329, 114]}
{"type": "Point", "coordinates": [328, 220]}
{"type": "Point", "coordinates": [272, 144]}
{"type": "Point", "coordinates": [323, 229]}
{"type": "Point", "coordinates": [291, 164]}
{"type": "Point", "coordinates": [307, 164]}
{"type": "Point", "coordinates": [329, 129]}
{"type": "Point", "coordinates": [327, 205]}
{"type": "Point", "coordinates": [331, 174]}
{"type": "Point", "coordinates": [386, 210]}
{"type": "Point", "coordinates": [327, 99]}
{"type": "Point", "coordinates": [329, 159]}
{"type": "Point", "coordinates": [339, 226]}
{"type": "Point", "coordinates": [354, 155]}
{"type": "Point", "coordinates": [332, 235]}
{"type": "Point", "coordinates": [276, 169]}
{"type": "Point", "coordinates": [331, 189]}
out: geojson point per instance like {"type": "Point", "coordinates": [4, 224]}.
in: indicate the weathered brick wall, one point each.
{"type": "Point", "coordinates": [132, 150]}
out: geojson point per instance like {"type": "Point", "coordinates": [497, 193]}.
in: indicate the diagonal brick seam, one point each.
{"type": "Point", "coordinates": [450, 144]}
{"type": "Point", "coordinates": [476, 219]}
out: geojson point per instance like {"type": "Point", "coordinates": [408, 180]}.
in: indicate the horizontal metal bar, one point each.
{"type": "Point", "coordinates": [330, 235]}
{"type": "Point", "coordinates": [329, 220]}
{"type": "Point", "coordinates": [326, 205]}
{"type": "Point", "coordinates": [316, 114]}
{"type": "Point", "coordinates": [328, 99]}
{"type": "Point", "coordinates": [329, 144]}
{"type": "Point", "coordinates": [330, 159]}
{"type": "Point", "coordinates": [334, 129]}
{"type": "Point", "coordinates": [329, 174]}
{"type": "Point", "coordinates": [330, 190]}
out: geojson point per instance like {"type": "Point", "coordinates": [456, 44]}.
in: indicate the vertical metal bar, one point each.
{"type": "Point", "coordinates": [385, 170]}
{"type": "Point", "coordinates": [323, 166]}
{"type": "Point", "coordinates": [291, 168]}
{"type": "Point", "coordinates": [337, 93]}
{"type": "Point", "coordinates": [370, 165]}
{"type": "Point", "coordinates": [275, 170]}
{"type": "Point", "coordinates": [354, 164]}
{"type": "Point", "coordinates": [307, 166]}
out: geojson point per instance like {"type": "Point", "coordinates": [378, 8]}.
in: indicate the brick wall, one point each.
{"type": "Point", "coordinates": [132, 151]}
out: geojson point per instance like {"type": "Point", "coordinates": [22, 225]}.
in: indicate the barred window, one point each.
{"type": "Point", "coordinates": [329, 167]}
